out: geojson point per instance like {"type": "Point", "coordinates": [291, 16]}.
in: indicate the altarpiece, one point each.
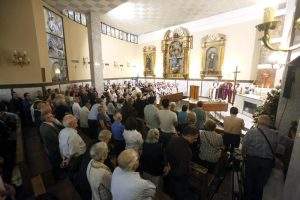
{"type": "Point", "coordinates": [149, 60]}
{"type": "Point", "coordinates": [175, 47]}
{"type": "Point", "coordinates": [213, 47]}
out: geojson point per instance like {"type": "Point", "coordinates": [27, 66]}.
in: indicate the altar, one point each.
{"type": "Point", "coordinates": [247, 103]}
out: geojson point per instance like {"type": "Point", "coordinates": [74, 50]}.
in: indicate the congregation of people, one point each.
{"type": "Point", "coordinates": [138, 147]}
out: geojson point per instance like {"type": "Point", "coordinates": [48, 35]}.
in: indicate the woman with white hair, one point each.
{"type": "Point", "coordinates": [152, 158]}
{"type": "Point", "coordinates": [98, 174]}
{"type": "Point", "coordinates": [127, 184]}
{"type": "Point", "coordinates": [133, 138]}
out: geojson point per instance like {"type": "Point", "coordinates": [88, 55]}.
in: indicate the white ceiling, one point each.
{"type": "Point", "coordinates": [143, 16]}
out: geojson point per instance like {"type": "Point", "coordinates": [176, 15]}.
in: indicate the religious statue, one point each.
{"type": "Point", "coordinates": [212, 55]}
{"type": "Point", "coordinates": [149, 60]}
{"type": "Point", "coordinates": [175, 47]}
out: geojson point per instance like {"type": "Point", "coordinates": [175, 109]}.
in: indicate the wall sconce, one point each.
{"type": "Point", "coordinates": [85, 60]}
{"type": "Point", "coordinates": [20, 58]}
{"type": "Point", "coordinates": [270, 24]}
{"type": "Point", "coordinates": [106, 64]}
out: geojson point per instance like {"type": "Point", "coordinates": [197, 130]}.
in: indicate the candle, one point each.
{"type": "Point", "coordinates": [269, 14]}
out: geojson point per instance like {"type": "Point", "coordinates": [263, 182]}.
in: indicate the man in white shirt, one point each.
{"type": "Point", "coordinates": [167, 118]}
{"type": "Point", "coordinates": [151, 114]}
{"type": "Point", "coordinates": [83, 117]}
{"type": "Point", "coordinates": [127, 184]}
{"type": "Point", "coordinates": [76, 108]}
{"type": "Point", "coordinates": [70, 143]}
{"type": "Point", "coordinates": [168, 122]}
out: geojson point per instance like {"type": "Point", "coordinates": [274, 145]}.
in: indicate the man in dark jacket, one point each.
{"type": "Point", "coordinates": [49, 131]}
{"type": "Point", "coordinates": [179, 155]}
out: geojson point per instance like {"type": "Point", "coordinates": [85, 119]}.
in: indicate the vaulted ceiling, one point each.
{"type": "Point", "coordinates": [142, 16]}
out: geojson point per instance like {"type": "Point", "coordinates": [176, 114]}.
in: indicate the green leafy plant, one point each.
{"type": "Point", "coordinates": [270, 105]}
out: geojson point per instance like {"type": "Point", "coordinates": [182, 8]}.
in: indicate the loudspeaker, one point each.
{"type": "Point", "coordinates": [289, 80]}
{"type": "Point", "coordinates": [43, 72]}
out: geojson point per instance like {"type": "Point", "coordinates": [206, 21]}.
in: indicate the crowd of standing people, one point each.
{"type": "Point", "coordinates": [139, 147]}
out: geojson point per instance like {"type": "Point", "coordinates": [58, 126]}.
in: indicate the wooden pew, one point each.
{"type": "Point", "coordinates": [200, 180]}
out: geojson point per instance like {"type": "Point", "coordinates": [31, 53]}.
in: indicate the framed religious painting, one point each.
{"type": "Point", "coordinates": [149, 60]}
{"type": "Point", "coordinates": [265, 78]}
{"type": "Point", "coordinates": [175, 46]}
{"type": "Point", "coordinates": [213, 47]}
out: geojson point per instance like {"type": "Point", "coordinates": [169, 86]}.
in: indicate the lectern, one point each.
{"type": "Point", "coordinates": [194, 92]}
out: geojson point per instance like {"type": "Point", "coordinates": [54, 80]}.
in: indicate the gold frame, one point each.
{"type": "Point", "coordinates": [213, 41]}
{"type": "Point", "coordinates": [151, 52]}
{"type": "Point", "coordinates": [182, 35]}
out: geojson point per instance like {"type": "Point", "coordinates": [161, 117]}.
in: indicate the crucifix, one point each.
{"type": "Point", "coordinates": [236, 72]}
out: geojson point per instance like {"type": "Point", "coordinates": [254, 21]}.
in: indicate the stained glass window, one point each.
{"type": "Point", "coordinates": [56, 46]}
{"type": "Point", "coordinates": [54, 24]}
{"type": "Point", "coordinates": [65, 12]}
{"type": "Point", "coordinates": [71, 14]}
{"type": "Point", "coordinates": [77, 17]}
{"type": "Point", "coordinates": [116, 33]}
{"type": "Point", "coordinates": [103, 28]}
{"type": "Point", "coordinates": [83, 19]}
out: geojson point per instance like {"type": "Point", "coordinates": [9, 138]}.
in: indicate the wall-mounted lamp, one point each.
{"type": "Point", "coordinates": [270, 24]}
{"type": "Point", "coordinates": [20, 59]}
{"type": "Point", "coordinates": [106, 64]}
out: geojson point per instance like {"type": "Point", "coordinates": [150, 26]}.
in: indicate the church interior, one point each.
{"type": "Point", "coordinates": [150, 99]}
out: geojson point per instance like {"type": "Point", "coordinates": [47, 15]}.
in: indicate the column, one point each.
{"type": "Point", "coordinates": [94, 29]}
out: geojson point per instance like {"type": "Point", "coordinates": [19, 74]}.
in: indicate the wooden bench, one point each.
{"type": "Point", "coordinates": [200, 180]}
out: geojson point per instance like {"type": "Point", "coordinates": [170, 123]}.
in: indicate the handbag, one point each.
{"type": "Point", "coordinates": [273, 160]}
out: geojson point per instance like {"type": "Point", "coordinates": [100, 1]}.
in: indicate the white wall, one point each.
{"type": "Point", "coordinates": [121, 52]}
{"type": "Point", "coordinates": [241, 41]}
{"type": "Point", "coordinates": [241, 44]}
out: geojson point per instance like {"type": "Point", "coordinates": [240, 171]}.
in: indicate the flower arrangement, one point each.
{"type": "Point", "coordinates": [270, 106]}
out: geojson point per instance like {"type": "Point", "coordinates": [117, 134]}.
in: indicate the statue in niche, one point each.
{"type": "Point", "coordinates": [175, 47]}
{"type": "Point", "coordinates": [149, 60]}
{"type": "Point", "coordinates": [212, 55]}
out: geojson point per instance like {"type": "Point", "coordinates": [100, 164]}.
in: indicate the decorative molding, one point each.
{"type": "Point", "coordinates": [191, 79]}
